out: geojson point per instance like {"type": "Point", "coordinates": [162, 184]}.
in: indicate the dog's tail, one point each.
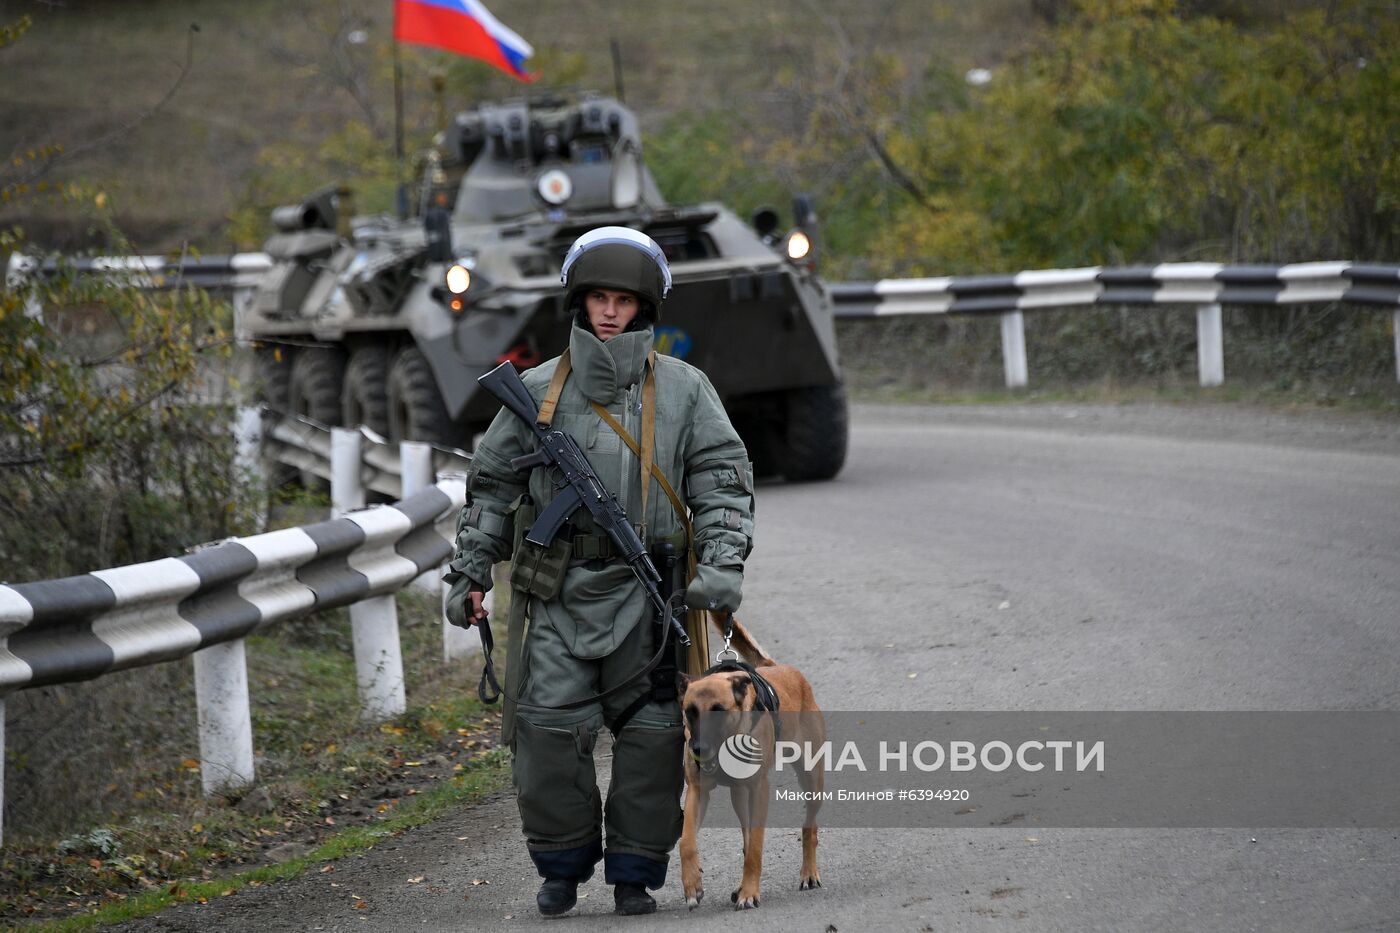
{"type": "Point", "coordinates": [743, 642]}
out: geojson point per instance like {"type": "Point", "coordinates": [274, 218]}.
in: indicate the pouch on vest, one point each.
{"type": "Point", "coordinates": [537, 570]}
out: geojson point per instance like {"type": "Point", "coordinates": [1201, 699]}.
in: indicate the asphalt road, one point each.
{"type": "Point", "coordinates": [1014, 558]}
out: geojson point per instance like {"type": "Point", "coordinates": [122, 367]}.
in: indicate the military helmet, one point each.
{"type": "Point", "coordinates": [616, 257]}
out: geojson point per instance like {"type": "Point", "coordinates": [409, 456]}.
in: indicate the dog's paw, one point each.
{"type": "Point", "coordinates": [692, 901]}
{"type": "Point", "coordinates": [744, 900]}
{"type": "Point", "coordinates": [810, 882]}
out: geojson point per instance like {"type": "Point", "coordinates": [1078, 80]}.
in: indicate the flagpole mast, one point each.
{"type": "Point", "coordinates": [617, 70]}
{"type": "Point", "coordinates": [402, 195]}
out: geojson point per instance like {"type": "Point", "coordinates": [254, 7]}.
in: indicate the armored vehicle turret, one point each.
{"type": "Point", "coordinates": [388, 322]}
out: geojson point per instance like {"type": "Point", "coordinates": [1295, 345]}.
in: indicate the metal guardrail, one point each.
{"type": "Point", "coordinates": [305, 444]}
{"type": "Point", "coordinates": [210, 272]}
{"type": "Point", "coordinates": [205, 603]}
{"type": "Point", "coordinates": [1191, 283]}
{"type": "Point", "coordinates": [78, 628]}
{"type": "Point", "coordinates": [1205, 285]}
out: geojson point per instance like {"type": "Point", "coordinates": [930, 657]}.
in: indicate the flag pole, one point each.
{"type": "Point", "coordinates": [398, 133]}
{"type": "Point", "coordinates": [617, 70]}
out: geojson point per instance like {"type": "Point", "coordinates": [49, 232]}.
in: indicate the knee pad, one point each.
{"type": "Point", "coordinates": [553, 772]}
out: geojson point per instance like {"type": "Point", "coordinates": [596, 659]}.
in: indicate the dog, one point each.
{"type": "Point", "coordinates": [734, 693]}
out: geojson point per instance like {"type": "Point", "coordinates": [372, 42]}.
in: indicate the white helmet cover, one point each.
{"type": "Point", "coordinates": [618, 236]}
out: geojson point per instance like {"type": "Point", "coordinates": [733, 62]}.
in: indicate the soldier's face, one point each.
{"type": "Point", "coordinates": [610, 311]}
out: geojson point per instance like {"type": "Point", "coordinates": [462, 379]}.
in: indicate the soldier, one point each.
{"type": "Point", "coordinates": [580, 624]}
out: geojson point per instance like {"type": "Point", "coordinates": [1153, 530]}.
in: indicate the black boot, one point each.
{"type": "Point", "coordinates": [633, 899]}
{"type": "Point", "coordinates": [557, 896]}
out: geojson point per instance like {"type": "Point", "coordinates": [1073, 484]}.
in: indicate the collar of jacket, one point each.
{"type": "Point", "coordinates": [605, 369]}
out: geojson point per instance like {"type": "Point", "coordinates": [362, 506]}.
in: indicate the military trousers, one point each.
{"type": "Point", "coordinates": [567, 826]}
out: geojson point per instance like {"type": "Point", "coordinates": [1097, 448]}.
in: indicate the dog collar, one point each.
{"type": "Point", "coordinates": [765, 697]}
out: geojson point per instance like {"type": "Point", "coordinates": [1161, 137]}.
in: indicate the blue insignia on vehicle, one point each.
{"type": "Point", "coordinates": [673, 342]}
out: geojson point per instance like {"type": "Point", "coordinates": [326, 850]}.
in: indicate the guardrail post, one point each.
{"type": "Point", "coordinates": [374, 622]}
{"type": "Point", "coordinates": [1013, 348]}
{"type": "Point", "coordinates": [1397, 345]}
{"type": "Point", "coordinates": [416, 473]}
{"type": "Point", "coordinates": [247, 431]}
{"type": "Point", "coordinates": [1210, 345]}
{"type": "Point", "coordinates": [347, 492]}
{"type": "Point", "coordinates": [2, 771]}
{"type": "Point", "coordinates": [225, 722]}
{"type": "Point", "coordinates": [456, 642]}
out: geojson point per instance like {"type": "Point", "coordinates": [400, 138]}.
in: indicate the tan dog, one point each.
{"type": "Point", "coordinates": [733, 694]}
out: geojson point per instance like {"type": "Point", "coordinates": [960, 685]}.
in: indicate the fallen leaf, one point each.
{"type": "Point", "coordinates": [413, 764]}
{"type": "Point", "coordinates": [190, 764]}
{"type": "Point", "coordinates": [330, 821]}
{"type": "Point", "coordinates": [327, 869]}
{"type": "Point", "coordinates": [197, 828]}
{"type": "Point", "coordinates": [480, 881]}
{"type": "Point", "coordinates": [418, 880]}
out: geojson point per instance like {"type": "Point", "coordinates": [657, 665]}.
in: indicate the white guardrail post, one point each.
{"type": "Point", "coordinates": [1210, 345]}
{"type": "Point", "coordinates": [1013, 348]}
{"type": "Point", "coordinates": [374, 621]}
{"type": "Point", "coordinates": [225, 721]}
{"type": "Point", "coordinates": [2, 770]}
{"type": "Point", "coordinates": [457, 643]}
{"type": "Point", "coordinates": [415, 473]}
{"type": "Point", "coordinates": [248, 430]}
{"type": "Point", "coordinates": [1396, 328]}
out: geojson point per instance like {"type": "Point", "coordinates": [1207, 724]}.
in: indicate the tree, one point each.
{"type": "Point", "coordinates": [115, 442]}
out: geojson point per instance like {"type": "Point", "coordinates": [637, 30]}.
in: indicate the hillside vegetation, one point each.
{"type": "Point", "coordinates": [1111, 130]}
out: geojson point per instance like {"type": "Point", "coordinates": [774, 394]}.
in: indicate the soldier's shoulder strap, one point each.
{"type": "Point", "coordinates": [556, 388]}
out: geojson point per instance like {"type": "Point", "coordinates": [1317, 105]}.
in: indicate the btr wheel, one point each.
{"type": "Point", "coordinates": [416, 409]}
{"type": "Point", "coordinates": [314, 392]}
{"type": "Point", "coordinates": [816, 435]}
{"type": "Point", "coordinates": [365, 397]}
{"type": "Point", "coordinates": [272, 387]}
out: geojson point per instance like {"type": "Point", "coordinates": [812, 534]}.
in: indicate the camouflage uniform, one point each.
{"type": "Point", "coordinates": [598, 631]}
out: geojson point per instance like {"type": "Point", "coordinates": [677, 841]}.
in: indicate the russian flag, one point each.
{"type": "Point", "coordinates": [465, 27]}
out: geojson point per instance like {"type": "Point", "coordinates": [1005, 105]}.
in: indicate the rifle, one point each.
{"type": "Point", "coordinates": [582, 489]}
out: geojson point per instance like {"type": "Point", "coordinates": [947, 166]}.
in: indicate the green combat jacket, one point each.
{"type": "Point", "coordinates": [696, 448]}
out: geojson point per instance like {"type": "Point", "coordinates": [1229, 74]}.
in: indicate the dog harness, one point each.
{"type": "Point", "coordinates": [765, 697]}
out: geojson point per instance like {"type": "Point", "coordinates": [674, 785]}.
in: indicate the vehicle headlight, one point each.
{"type": "Point", "coordinates": [459, 278]}
{"type": "Point", "coordinates": [798, 245]}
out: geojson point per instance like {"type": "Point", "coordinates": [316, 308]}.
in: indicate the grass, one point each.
{"type": "Point", "coordinates": [125, 830]}
{"type": "Point", "coordinates": [264, 72]}
{"type": "Point", "coordinates": [488, 774]}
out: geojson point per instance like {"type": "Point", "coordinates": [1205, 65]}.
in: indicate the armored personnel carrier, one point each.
{"type": "Point", "coordinates": [388, 322]}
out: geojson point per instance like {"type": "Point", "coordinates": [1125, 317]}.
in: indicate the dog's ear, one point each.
{"type": "Point", "coordinates": [683, 682]}
{"type": "Point", "coordinates": [740, 686]}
